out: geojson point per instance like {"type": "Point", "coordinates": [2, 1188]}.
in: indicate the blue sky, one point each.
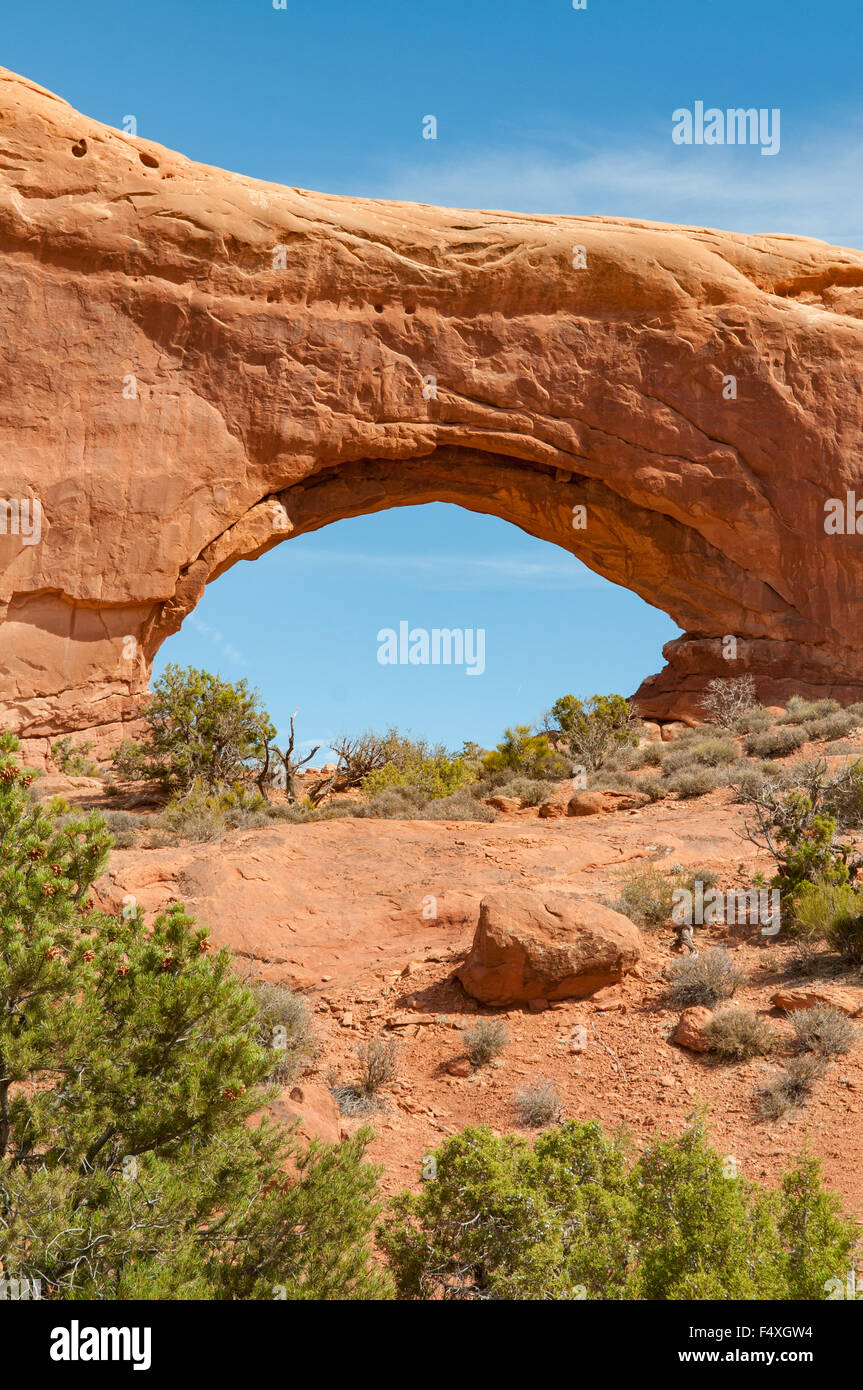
{"type": "Point", "coordinates": [540, 108]}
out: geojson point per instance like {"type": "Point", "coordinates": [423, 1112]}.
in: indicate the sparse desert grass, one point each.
{"type": "Point", "coordinates": [538, 1104]}
{"type": "Point", "coordinates": [286, 1029]}
{"type": "Point", "coordinates": [647, 895]}
{"type": "Point", "coordinates": [125, 827]}
{"type": "Point", "coordinates": [707, 978]}
{"type": "Point", "coordinates": [823, 1030]}
{"type": "Point", "coordinates": [789, 1088]}
{"type": "Point", "coordinates": [378, 1065]}
{"type": "Point", "coordinates": [735, 1035]}
{"type": "Point", "coordinates": [485, 1041]}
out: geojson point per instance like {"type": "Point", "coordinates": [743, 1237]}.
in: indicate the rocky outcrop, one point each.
{"type": "Point", "coordinates": [546, 946]}
{"type": "Point", "coordinates": [197, 365]}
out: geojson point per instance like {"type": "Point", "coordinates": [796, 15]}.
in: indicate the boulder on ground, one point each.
{"type": "Point", "coordinates": [591, 803]}
{"type": "Point", "coordinates": [690, 1030]}
{"type": "Point", "coordinates": [533, 945]}
{"type": "Point", "coordinates": [809, 997]}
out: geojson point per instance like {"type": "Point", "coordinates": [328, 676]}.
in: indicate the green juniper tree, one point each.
{"type": "Point", "coordinates": [129, 1070]}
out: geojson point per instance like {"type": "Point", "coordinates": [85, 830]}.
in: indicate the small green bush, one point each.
{"type": "Point", "coordinates": [823, 1030]}
{"type": "Point", "coordinates": [530, 754]}
{"type": "Point", "coordinates": [591, 729]}
{"type": "Point", "coordinates": [433, 774]}
{"type": "Point", "coordinates": [486, 1040]}
{"type": "Point", "coordinates": [706, 978]}
{"type": "Point", "coordinates": [735, 1035]}
{"type": "Point", "coordinates": [832, 912]}
{"type": "Point", "coordinates": [200, 814]}
{"type": "Point", "coordinates": [538, 1105]}
{"type": "Point", "coordinates": [74, 760]}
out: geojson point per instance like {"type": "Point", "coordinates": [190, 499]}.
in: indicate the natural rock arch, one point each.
{"type": "Point", "coordinates": [188, 356]}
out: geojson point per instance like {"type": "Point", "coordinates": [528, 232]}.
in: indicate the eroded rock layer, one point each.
{"type": "Point", "coordinates": [195, 366]}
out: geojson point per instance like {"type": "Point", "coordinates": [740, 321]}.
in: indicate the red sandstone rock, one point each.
{"type": "Point", "coordinates": [546, 946]}
{"type": "Point", "coordinates": [847, 1001]}
{"type": "Point", "coordinates": [690, 1029]}
{"type": "Point", "coordinates": [250, 361]}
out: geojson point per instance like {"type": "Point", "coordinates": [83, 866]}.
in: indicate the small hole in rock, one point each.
{"type": "Point", "coordinates": [410, 308]}
{"type": "Point", "coordinates": [379, 308]}
{"type": "Point", "coordinates": [148, 159]}
{"type": "Point", "coordinates": [80, 149]}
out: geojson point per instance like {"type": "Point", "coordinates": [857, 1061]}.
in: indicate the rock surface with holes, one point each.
{"type": "Point", "coordinates": [197, 365]}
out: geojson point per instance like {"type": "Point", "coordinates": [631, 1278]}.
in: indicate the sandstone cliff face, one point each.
{"type": "Point", "coordinates": [196, 366]}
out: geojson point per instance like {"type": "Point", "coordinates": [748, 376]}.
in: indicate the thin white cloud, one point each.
{"type": "Point", "coordinates": [812, 187]}
{"type": "Point", "coordinates": [448, 571]}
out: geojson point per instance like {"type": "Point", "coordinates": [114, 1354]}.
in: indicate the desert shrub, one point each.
{"type": "Point", "coordinates": [774, 743]}
{"type": "Point", "coordinates": [530, 791]}
{"type": "Point", "coordinates": [700, 752]}
{"type": "Point", "coordinates": [460, 806]}
{"type": "Point", "coordinates": [286, 1028]}
{"type": "Point", "coordinates": [789, 1088]}
{"type": "Point", "coordinates": [590, 729]}
{"type": "Point", "coordinates": [124, 827]}
{"type": "Point", "coordinates": [432, 774]}
{"type": "Point", "coordinates": [800, 711]}
{"type": "Point", "coordinates": [747, 778]}
{"type": "Point", "coordinates": [728, 701]}
{"type": "Point", "coordinates": [704, 979]}
{"type": "Point", "coordinates": [530, 754]}
{"type": "Point", "coordinates": [378, 1066]}
{"type": "Point", "coordinates": [655, 788]}
{"type": "Point", "coordinates": [842, 795]}
{"type": "Point", "coordinates": [201, 730]}
{"type": "Point", "coordinates": [394, 803]}
{"type": "Point", "coordinates": [486, 1040]}
{"type": "Point", "coordinates": [201, 814]}
{"type": "Point", "coordinates": [647, 896]}
{"type": "Point", "coordinates": [833, 726]}
{"type": "Point", "coordinates": [831, 912]}
{"type": "Point", "coordinates": [823, 1030]}
{"type": "Point", "coordinates": [610, 780]}
{"type": "Point", "coordinates": [73, 760]}
{"type": "Point", "coordinates": [538, 1104]}
{"type": "Point", "coordinates": [577, 1215]}
{"type": "Point", "coordinates": [735, 1035]}
{"type": "Point", "coordinates": [792, 822]}
{"type": "Point", "coordinates": [752, 721]}
{"type": "Point", "coordinates": [126, 1041]}
{"type": "Point", "coordinates": [648, 755]}
{"type": "Point", "coordinates": [694, 781]}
